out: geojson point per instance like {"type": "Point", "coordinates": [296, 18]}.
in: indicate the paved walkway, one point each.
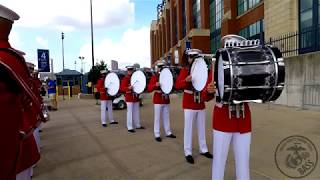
{"type": "Point", "coordinates": [75, 146]}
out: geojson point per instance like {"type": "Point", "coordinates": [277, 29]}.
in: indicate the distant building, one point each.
{"type": "Point", "coordinates": [70, 78]}
{"type": "Point", "coordinates": [179, 23]}
{"type": "Point", "coordinates": [114, 65]}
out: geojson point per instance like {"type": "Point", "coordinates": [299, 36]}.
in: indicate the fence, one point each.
{"type": "Point", "coordinates": [292, 44]}
{"type": "Point", "coordinates": [311, 95]}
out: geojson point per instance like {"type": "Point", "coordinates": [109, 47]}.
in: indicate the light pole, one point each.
{"type": "Point", "coordinates": [62, 38]}
{"type": "Point", "coordinates": [92, 49]}
{"type": "Point", "coordinates": [81, 59]}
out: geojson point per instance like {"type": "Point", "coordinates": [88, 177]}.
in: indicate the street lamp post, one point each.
{"type": "Point", "coordinates": [92, 48]}
{"type": "Point", "coordinates": [81, 59]}
{"type": "Point", "coordinates": [62, 38]}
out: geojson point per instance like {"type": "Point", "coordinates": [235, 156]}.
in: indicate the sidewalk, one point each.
{"type": "Point", "coordinates": [75, 146]}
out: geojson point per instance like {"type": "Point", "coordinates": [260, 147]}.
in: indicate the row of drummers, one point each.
{"type": "Point", "coordinates": [195, 79]}
{"type": "Point", "coordinates": [245, 73]}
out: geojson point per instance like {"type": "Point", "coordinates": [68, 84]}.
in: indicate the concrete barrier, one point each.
{"type": "Point", "coordinates": [301, 71]}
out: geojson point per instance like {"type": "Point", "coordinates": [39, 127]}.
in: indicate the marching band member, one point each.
{"type": "Point", "coordinates": [105, 100]}
{"type": "Point", "coordinates": [231, 123]}
{"type": "Point", "coordinates": [17, 103]}
{"type": "Point", "coordinates": [132, 100]}
{"type": "Point", "coordinates": [225, 130]}
{"type": "Point", "coordinates": [193, 111]}
{"type": "Point", "coordinates": [161, 105]}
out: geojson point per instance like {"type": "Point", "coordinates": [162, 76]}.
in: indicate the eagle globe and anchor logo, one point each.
{"type": "Point", "coordinates": [296, 156]}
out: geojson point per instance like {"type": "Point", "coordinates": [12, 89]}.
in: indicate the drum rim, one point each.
{"type": "Point", "coordinates": [277, 73]}
{"type": "Point", "coordinates": [172, 79]}
{"type": "Point", "coordinates": [219, 92]}
{"type": "Point", "coordinates": [145, 78]}
{"type": "Point", "coordinates": [191, 70]}
{"type": "Point", "coordinates": [118, 79]}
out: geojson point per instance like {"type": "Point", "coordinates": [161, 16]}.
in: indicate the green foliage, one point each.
{"type": "Point", "coordinates": [94, 73]}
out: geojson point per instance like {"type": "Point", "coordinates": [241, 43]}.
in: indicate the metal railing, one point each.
{"type": "Point", "coordinates": [311, 95]}
{"type": "Point", "coordinates": [295, 43]}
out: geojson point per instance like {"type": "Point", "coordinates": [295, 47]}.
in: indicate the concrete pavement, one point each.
{"type": "Point", "coordinates": [75, 146]}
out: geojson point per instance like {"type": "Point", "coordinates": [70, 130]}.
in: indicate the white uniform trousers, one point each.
{"type": "Point", "coordinates": [36, 135]}
{"type": "Point", "coordinates": [241, 150]}
{"type": "Point", "coordinates": [104, 105]}
{"type": "Point", "coordinates": [199, 116]}
{"type": "Point", "coordinates": [161, 111]}
{"type": "Point", "coordinates": [25, 175]}
{"type": "Point", "coordinates": [133, 115]}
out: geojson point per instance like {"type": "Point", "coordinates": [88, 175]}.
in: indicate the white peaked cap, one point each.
{"type": "Point", "coordinates": [193, 52]}
{"type": "Point", "coordinates": [8, 14]}
{"type": "Point", "coordinates": [103, 72]}
{"type": "Point", "coordinates": [160, 63]}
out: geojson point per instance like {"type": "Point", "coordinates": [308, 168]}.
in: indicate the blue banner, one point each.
{"type": "Point", "coordinates": [43, 60]}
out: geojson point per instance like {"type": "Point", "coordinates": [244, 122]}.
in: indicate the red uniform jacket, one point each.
{"type": "Point", "coordinates": [188, 101]}
{"type": "Point", "coordinates": [124, 88]}
{"type": "Point", "coordinates": [13, 114]}
{"type": "Point", "coordinates": [102, 90]}
{"type": "Point", "coordinates": [221, 121]}
{"type": "Point", "coordinates": [11, 117]}
{"type": "Point", "coordinates": [158, 97]}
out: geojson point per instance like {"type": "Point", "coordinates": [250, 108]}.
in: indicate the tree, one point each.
{"type": "Point", "coordinates": [94, 73]}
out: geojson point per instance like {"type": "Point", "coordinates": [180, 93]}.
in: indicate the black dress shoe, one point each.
{"type": "Point", "coordinates": [104, 125]}
{"type": "Point", "coordinates": [141, 127]}
{"type": "Point", "coordinates": [207, 155]}
{"type": "Point", "coordinates": [131, 131]}
{"type": "Point", "coordinates": [190, 159]}
{"type": "Point", "coordinates": [171, 136]}
{"type": "Point", "coordinates": [158, 139]}
{"type": "Point", "coordinates": [114, 122]}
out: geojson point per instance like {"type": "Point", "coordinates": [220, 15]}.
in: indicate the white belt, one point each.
{"type": "Point", "coordinates": [188, 91]}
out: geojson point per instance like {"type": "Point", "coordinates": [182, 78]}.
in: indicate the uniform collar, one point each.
{"type": "Point", "coordinates": [4, 43]}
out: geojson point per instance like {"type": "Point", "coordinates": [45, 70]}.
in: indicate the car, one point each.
{"type": "Point", "coordinates": [120, 103]}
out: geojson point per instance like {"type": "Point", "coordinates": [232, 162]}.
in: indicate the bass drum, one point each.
{"type": "Point", "coordinates": [166, 79]}
{"type": "Point", "coordinates": [199, 73]}
{"type": "Point", "coordinates": [138, 81]}
{"type": "Point", "coordinates": [112, 83]}
{"type": "Point", "coordinates": [249, 74]}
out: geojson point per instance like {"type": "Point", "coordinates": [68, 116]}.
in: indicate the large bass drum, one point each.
{"type": "Point", "coordinates": [112, 83]}
{"type": "Point", "coordinates": [199, 73]}
{"type": "Point", "coordinates": [138, 81]}
{"type": "Point", "coordinates": [249, 74]}
{"type": "Point", "coordinates": [166, 79]}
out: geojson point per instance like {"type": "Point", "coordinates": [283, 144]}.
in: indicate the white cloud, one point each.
{"type": "Point", "coordinates": [134, 47]}
{"type": "Point", "coordinates": [15, 40]}
{"type": "Point", "coordinates": [42, 42]}
{"type": "Point", "coordinates": [71, 14]}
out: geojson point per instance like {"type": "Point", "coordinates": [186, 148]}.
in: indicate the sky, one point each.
{"type": "Point", "coordinates": [121, 30]}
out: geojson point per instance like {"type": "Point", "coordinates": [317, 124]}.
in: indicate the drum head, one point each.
{"type": "Point", "coordinates": [199, 73]}
{"type": "Point", "coordinates": [220, 77]}
{"type": "Point", "coordinates": [166, 80]}
{"type": "Point", "coordinates": [138, 81]}
{"type": "Point", "coordinates": [112, 83]}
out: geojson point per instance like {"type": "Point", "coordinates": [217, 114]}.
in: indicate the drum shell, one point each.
{"type": "Point", "coordinates": [256, 80]}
